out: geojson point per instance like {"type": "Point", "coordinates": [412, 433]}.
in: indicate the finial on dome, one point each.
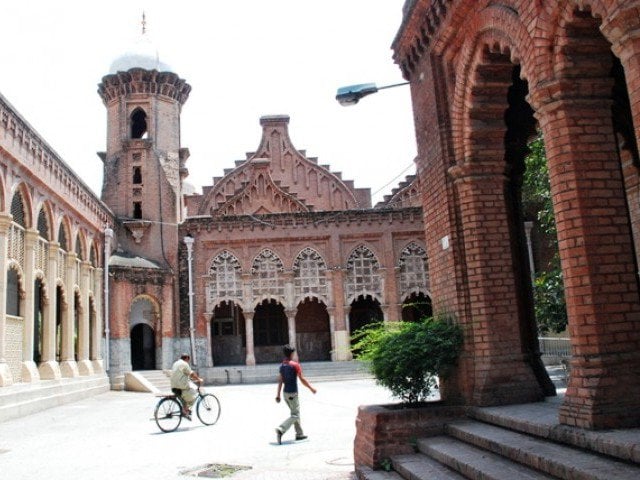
{"type": "Point", "coordinates": [144, 23]}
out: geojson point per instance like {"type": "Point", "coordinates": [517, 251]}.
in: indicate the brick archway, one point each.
{"type": "Point", "coordinates": [460, 60]}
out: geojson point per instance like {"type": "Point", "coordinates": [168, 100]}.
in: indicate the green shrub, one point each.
{"type": "Point", "coordinates": [407, 357]}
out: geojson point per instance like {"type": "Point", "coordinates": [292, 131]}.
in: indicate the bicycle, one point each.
{"type": "Point", "coordinates": [168, 412]}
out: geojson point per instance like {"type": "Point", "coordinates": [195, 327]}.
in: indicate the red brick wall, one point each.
{"type": "Point", "coordinates": [456, 57]}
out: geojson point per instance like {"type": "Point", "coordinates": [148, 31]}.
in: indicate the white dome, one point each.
{"type": "Point", "coordinates": [143, 54]}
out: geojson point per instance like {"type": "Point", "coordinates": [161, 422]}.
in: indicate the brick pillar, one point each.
{"type": "Point", "coordinates": [49, 368]}
{"type": "Point", "coordinates": [341, 342]}
{"type": "Point", "coordinates": [596, 250]}
{"type": "Point", "coordinates": [84, 363]}
{"type": "Point", "coordinates": [291, 327]}
{"type": "Point", "coordinates": [68, 366]}
{"type": "Point", "coordinates": [29, 368]}
{"type": "Point", "coordinates": [501, 373]}
{"type": "Point", "coordinates": [6, 378]}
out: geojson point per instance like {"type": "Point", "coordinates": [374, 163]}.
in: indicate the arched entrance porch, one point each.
{"type": "Point", "coordinates": [228, 336]}
{"type": "Point", "coordinates": [270, 331]}
{"type": "Point", "coordinates": [142, 321]}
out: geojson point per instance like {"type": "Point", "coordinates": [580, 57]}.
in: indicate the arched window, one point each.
{"type": "Point", "coordinates": [267, 275]}
{"type": "Point", "coordinates": [226, 279]}
{"type": "Point", "coordinates": [414, 276]}
{"type": "Point", "coordinates": [138, 124]}
{"type": "Point", "coordinates": [17, 210]}
{"type": "Point", "coordinates": [43, 225]}
{"type": "Point", "coordinates": [62, 238]}
{"type": "Point", "coordinates": [362, 273]}
{"type": "Point", "coordinates": [13, 293]}
{"type": "Point", "coordinates": [309, 270]}
{"type": "Point", "coordinates": [79, 248]}
{"type": "Point", "coordinates": [137, 175]}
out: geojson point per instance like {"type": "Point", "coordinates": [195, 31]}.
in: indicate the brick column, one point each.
{"type": "Point", "coordinates": [501, 373]}
{"type": "Point", "coordinates": [96, 334]}
{"type": "Point", "coordinates": [29, 368]}
{"type": "Point", "coordinates": [596, 250]}
{"type": "Point", "coordinates": [68, 366]}
{"type": "Point", "coordinates": [5, 374]}
{"type": "Point", "coordinates": [84, 364]}
{"type": "Point", "coordinates": [49, 368]}
{"type": "Point", "coordinates": [340, 332]}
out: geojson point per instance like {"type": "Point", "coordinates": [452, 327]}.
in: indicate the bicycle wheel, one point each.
{"type": "Point", "coordinates": [168, 414]}
{"type": "Point", "coordinates": [208, 409]}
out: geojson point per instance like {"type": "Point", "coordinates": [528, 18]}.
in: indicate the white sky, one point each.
{"type": "Point", "coordinates": [243, 59]}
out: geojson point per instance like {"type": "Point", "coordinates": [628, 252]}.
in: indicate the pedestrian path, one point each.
{"type": "Point", "coordinates": [113, 436]}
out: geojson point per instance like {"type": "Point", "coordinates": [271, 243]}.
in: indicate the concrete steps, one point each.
{"type": "Point", "coordinates": [26, 398]}
{"type": "Point", "coordinates": [158, 380]}
{"type": "Point", "coordinates": [518, 442]}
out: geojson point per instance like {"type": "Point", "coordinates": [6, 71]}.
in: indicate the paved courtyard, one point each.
{"type": "Point", "coordinates": [113, 436]}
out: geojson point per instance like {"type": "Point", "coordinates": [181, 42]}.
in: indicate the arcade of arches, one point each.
{"type": "Point", "coordinates": [480, 91]}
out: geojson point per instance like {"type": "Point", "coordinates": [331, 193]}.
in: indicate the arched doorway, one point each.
{"type": "Point", "coordinates": [313, 331]}
{"type": "Point", "coordinates": [38, 317]}
{"type": "Point", "coordinates": [270, 331]}
{"type": "Point", "coordinates": [143, 347]}
{"type": "Point", "coordinates": [365, 310]}
{"type": "Point", "coordinates": [416, 307]}
{"type": "Point", "coordinates": [228, 339]}
{"type": "Point", "coordinates": [143, 342]}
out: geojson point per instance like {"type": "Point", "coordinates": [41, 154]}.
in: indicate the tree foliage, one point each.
{"type": "Point", "coordinates": [407, 357]}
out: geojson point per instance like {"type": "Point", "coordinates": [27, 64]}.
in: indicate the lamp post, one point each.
{"type": "Point", "coordinates": [108, 235]}
{"type": "Point", "coordinates": [352, 94]}
{"type": "Point", "coordinates": [188, 241]}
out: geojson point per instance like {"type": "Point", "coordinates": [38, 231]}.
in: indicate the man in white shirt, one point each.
{"type": "Point", "coordinates": [181, 373]}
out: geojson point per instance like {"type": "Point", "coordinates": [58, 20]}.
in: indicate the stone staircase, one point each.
{"type": "Point", "coordinates": [517, 442]}
{"type": "Point", "coordinates": [26, 398]}
{"type": "Point", "coordinates": [158, 381]}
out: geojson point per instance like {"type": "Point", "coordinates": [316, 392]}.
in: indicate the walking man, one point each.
{"type": "Point", "coordinates": [290, 372]}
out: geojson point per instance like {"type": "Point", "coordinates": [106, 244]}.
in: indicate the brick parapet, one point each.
{"type": "Point", "coordinates": [148, 82]}
{"type": "Point", "coordinates": [386, 430]}
{"type": "Point", "coordinates": [24, 144]}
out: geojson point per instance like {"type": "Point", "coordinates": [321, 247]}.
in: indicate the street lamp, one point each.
{"type": "Point", "coordinates": [108, 235]}
{"type": "Point", "coordinates": [188, 241]}
{"type": "Point", "coordinates": [352, 94]}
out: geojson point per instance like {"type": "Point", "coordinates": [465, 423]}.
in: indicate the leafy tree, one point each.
{"type": "Point", "coordinates": [407, 357]}
{"type": "Point", "coordinates": [550, 306]}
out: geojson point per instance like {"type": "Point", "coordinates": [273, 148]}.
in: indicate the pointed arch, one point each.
{"type": "Point", "coordinates": [413, 270]}
{"type": "Point", "coordinates": [225, 280]}
{"type": "Point", "coordinates": [267, 278]}
{"type": "Point", "coordinates": [138, 123]}
{"type": "Point", "coordinates": [363, 276]}
{"type": "Point", "coordinates": [310, 276]}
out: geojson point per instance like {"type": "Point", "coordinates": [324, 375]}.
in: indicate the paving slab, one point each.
{"type": "Point", "coordinates": [112, 436]}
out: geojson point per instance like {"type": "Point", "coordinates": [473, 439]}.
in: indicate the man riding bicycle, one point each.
{"type": "Point", "coordinates": [181, 373]}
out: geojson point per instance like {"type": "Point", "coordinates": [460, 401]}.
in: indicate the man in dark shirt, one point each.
{"type": "Point", "coordinates": [290, 372]}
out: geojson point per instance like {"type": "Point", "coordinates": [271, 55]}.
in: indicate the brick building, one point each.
{"type": "Point", "coordinates": [484, 77]}
{"type": "Point", "coordinates": [283, 249]}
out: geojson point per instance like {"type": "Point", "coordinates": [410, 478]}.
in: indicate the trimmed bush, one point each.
{"type": "Point", "coordinates": [407, 357]}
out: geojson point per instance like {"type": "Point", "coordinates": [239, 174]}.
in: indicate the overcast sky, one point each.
{"type": "Point", "coordinates": [243, 59]}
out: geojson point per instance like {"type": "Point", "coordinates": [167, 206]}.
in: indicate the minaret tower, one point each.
{"type": "Point", "coordinates": [144, 163]}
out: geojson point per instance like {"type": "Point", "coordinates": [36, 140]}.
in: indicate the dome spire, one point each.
{"type": "Point", "coordinates": [144, 23]}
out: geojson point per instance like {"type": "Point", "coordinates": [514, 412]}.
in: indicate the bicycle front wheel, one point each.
{"type": "Point", "coordinates": [168, 414]}
{"type": "Point", "coordinates": [208, 409]}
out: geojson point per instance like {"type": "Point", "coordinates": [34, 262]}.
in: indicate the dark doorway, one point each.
{"type": "Point", "coordinates": [143, 347]}
{"type": "Point", "coordinates": [228, 339]}
{"type": "Point", "coordinates": [37, 320]}
{"type": "Point", "coordinates": [364, 311]}
{"type": "Point", "coordinates": [313, 331]}
{"type": "Point", "coordinates": [270, 331]}
{"type": "Point", "coordinates": [416, 307]}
